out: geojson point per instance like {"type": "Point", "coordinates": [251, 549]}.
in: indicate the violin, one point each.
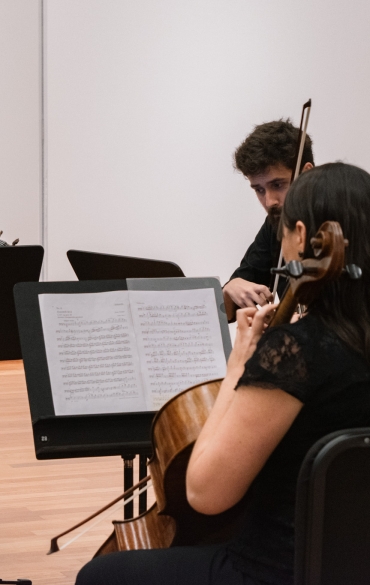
{"type": "Point", "coordinates": [171, 521]}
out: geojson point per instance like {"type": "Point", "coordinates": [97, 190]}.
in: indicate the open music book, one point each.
{"type": "Point", "coordinates": [129, 351]}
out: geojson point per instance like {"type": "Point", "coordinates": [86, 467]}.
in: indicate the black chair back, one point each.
{"type": "Point", "coordinates": [332, 543]}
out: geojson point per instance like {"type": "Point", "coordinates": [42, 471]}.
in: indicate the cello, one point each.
{"type": "Point", "coordinates": [171, 521]}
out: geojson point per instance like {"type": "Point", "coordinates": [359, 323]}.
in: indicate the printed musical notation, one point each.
{"type": "Point", "coordinates": [179, 340]}
{"type": "Point", "coordinates": [91, 351]}
{"type": "Point", "coordinates": [129, 350]}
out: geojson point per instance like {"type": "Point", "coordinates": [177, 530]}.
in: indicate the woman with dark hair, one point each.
{"type": "Point", "coordinates": [284, 389]}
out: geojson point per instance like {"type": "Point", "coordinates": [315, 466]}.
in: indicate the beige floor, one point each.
{"type": "Point", "coordinates": [39, 499]}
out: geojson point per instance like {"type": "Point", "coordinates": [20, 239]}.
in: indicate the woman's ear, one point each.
{"type": "Point", "coordinates": [301, 234]}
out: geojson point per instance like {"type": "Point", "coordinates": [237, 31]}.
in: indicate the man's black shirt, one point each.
{"type": "Point", "coordinates": [260, 257]}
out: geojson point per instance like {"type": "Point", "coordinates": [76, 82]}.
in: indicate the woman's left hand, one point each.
{"type": "Point", "coordinates": [250, 326]}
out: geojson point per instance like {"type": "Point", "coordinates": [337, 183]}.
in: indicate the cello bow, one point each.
{"type": "Point", "coordinates": [54, 541]}
{"type": "Point", "coordinates": [302, 133]}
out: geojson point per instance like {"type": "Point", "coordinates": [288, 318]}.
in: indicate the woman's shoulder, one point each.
{"type": "Point", "coordinates": [307, 331]}
{"type": "Point", "coordinates": [298, 357]}
{"type": "Point", "coordinates": [315, 341]}
{"type": "Point", "coordinates": [283, 355]}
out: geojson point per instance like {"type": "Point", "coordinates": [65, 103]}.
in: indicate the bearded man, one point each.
{"type": "Point", "coordinates": [266, 158]}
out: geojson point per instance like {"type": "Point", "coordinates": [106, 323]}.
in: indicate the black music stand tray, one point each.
{"type": "Point", "coordinates": [87, 435]}
{"type": "Point", "coordinates": [17, 264]}
{"type": "Point", "coordinates": [96, 266]}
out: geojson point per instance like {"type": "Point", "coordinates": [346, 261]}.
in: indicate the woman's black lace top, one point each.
{"type": "Point", "coordinates": [311, 363]}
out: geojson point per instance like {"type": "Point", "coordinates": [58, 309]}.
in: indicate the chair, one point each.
{"type": "Point", "coordinates": [332, 541]}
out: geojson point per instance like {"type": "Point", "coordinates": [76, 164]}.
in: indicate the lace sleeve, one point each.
{"type": "Point", "coordinates": [281, 360]}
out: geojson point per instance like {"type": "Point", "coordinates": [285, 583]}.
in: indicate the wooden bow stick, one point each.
{"type": "Point", "coordinates": [54, 541]}
{"type": "Point", "coordinates": [300, 146]}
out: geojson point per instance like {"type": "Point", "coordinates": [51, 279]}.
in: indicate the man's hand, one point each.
{"type": "Point", "coordinates": [247, 294]}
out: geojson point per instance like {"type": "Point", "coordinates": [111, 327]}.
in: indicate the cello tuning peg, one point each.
{"type": "Point", "coordinates": [353, 271]}
{"type": "Point", "coordinates": [294, 269]}
{"type": "Point", "coordinates": [282, 271]}
{"type": "Point", "coordinates": [15, 242]}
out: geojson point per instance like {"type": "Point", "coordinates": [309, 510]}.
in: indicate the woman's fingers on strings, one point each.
{"type": "Point", "coordinates": [250, 326]}
{"type": "Point", "coordinates": [261, 318]}
{"type": "Point", "coordinates": [244, 318]}
{"type": "Point", "coordinates": [257, 319]}
{"type": "Point", "coordinates": [268, 312]}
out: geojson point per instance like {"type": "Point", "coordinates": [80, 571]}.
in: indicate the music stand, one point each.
{"type": "Point", "coordinates": [97, 266]}
{"type": "Point", "coordinates": [17, 264]}
{"type": "Point", "coordinates": [125, 434]}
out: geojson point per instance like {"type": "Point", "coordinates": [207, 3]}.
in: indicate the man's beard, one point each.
{"type": "Point", "coordinates": [274, 214]}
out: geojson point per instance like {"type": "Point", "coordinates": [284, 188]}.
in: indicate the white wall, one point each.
{"type": "Point", "coordinates": [20, 120]}
{"type": "Point", "coordinates": [147, 100]}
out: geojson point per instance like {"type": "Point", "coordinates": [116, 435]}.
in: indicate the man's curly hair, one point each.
{"type": "Point", "coordinates": [271, 144]}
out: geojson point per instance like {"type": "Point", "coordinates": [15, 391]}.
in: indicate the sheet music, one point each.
{"type": "Point", "coordinates": [91, 352]}
{"type": "Point", "coordinates": [179, 340]}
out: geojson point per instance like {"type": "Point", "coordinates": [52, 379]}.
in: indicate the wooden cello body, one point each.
{"type": "Point", "coordinates": [175, 428]}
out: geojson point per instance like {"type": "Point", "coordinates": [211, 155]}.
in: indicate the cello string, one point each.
{"type": "Point", "coordinates": [107, 514]}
